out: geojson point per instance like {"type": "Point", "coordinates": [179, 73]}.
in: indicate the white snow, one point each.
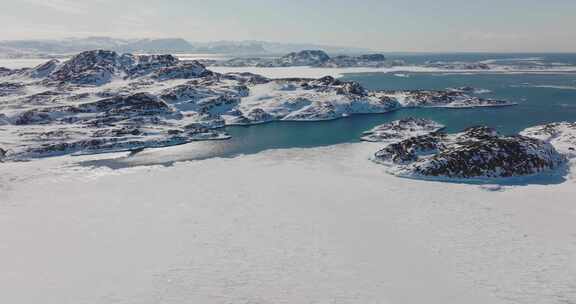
{"type": "Point", "coordinates": [321, 225]}
{"type": "Point", "coordinates": [562, 135]}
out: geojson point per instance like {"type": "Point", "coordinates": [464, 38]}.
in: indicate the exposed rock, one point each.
{"type": "Point", "coordinates": [142, 65]}
{"type": "Point", "coordinates": [139, 103]}
{"type": "Point", "coordinates": [476, 153]}
{"type": "Point", "coordinates": [186, 70]}
{"type": "Point", "coordinates": [91, 67]}
{"type": "Point", "coordinates": [401, 129]}
{"type": "Point", "coordinates": [447, 99]}
{"type": "Point", "coordinates": [2, 154]}
{"type": "Point", "coordinates": [408, 150]}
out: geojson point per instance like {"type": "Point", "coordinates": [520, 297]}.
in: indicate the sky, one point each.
{"type": "Point", "coordinates": [385, 25]}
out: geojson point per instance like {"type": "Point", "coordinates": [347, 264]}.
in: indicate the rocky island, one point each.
{"type": "Point", "coordinates": [310, 58]}
{"type": "Point", "coordinates": [477, 153]}
{"type": "Point", "coordinates": [401, 129]}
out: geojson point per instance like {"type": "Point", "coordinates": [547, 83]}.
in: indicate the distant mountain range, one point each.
{"type": "Point", "coordinates": [41, 48]}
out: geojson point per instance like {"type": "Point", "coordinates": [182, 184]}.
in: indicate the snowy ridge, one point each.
{"type": "Point", "coordinates": [562, 135]}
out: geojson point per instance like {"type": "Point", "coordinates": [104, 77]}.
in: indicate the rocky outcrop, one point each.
{"type": "Point", "coordinates": [89, 68]}
{"type": "Point", "coordinates": [445, 99]}
{"type": "Point", "coordinates": [476, 153]}
{"type": "Point", "coordinates": [399, 130]}
{"type": "Point", "coordinates": [99, 67]}
{"type": "Point", "coordinates": [188, 70]}
{"type": "Point", "coordinates": [2, 154]}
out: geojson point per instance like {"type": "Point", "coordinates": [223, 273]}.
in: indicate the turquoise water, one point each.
{"type": "Point", "coordinates": [536, 105]}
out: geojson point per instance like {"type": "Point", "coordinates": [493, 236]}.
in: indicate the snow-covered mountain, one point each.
{"type": "Point", "coordinates": [101, 101]}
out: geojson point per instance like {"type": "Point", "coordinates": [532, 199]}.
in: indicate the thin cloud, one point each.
{"type": "Point", "coordinates": [63, 6]}
{"type": "Point", "coordinates": [489, 36]}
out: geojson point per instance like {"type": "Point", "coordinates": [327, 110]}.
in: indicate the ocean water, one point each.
{"type": "Point", "coordinates": [541, 99]}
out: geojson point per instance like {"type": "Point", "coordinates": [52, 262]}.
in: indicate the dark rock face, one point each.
{"type": "Point", "coordinates": [99, 145]}
{"type": "Point", "coordinates": [100, 67]}
{"type": "Point", "coordinates": [477, 152]}
{"type": "Point", "coordinates": [92, 67]}
{"type": "Point", "coordinates": [138, 66]}
{"type": "Point", "coordinates": [330, 83]}
{"type": "Point", "coordinates": [104, 111]}
{"type": "Point", "coordinates": [407, 151]}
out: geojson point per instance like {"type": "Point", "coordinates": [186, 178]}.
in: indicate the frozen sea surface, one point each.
{"type": "Point", "coordinates": [319, 225]}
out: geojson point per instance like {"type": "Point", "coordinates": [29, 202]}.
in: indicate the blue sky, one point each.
{"type": "Point", "coordinates": [387, 25]}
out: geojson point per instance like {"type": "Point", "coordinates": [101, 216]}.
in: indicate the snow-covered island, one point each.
{"type": "Point", "coordinates": [309, 58]}
{"type": "Point", "coordinates": [399, 130]}
{"type": "Point", "coordinates": [102, 101]}
{"type": "Point", "coordinates": [417, 148]}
